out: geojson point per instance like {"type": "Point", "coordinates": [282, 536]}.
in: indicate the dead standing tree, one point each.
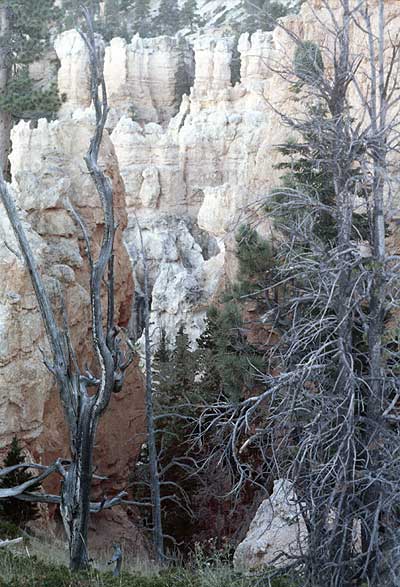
{"type": "Point", "coordinates": [84, 396]}
{"type": "Point", "coordinates": [329, 410]}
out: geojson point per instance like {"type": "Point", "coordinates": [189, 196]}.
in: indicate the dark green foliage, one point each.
{"type": "Point", "coordinates": [30, 28]}
{"type": "Point", "coordinates": [8, 530]}
{"type": "Point", "coordinates": [254, 253]}
{"type": "Point", "coordinates": [185, 381]}
{"type": "Point", "coordinates": [169, 18]}
{"type": "Point", "coordinates": [308, 173]}
{"type": "Point", "coordinates": [308, 64]}
{"type": "Point", "coordinates": [23, 100]}
{"type": "Point", "coordinates": [71, 13]}
{"type": "Point", "coordinates": [189, 15]}
{"type": "Point", "coordinates": [225, 358]}
{"type": "Point", "coordinates": [261, 14]}
{"type": "Point", "coordinates": [12, 510]}
{"type": "Point", "coordinates": [114, 24]}
{"type": "Point", "coordinates": [142, 21]}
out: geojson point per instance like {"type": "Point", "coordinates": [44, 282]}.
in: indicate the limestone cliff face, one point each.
{"type": "Point", "coordinates": [145, 78]}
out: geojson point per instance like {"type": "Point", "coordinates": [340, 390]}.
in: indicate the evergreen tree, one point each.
{"type": "Point", "coordinates": [142, 18]}
{"type": "Point", "coordinates": [23, 100]}
{"type": "Point", "coordinates": [30, 28]}
{"type": "Point", "coordinates": [28, 37]}
{"type": "Point", "coordinates": [169, 18]}
{"type": "Point", "coordinates": [308, 64]}
{"type": "Point", "coordinates": [225, 359]}
{"type": "Point", "coordinates": [261, 14]}
{"type": "Point", "coordinates": [13, 510]}
{"type": "Point", "coordinates": [303, 175]}
{"type": "Point", "coordinates": [189, 15]}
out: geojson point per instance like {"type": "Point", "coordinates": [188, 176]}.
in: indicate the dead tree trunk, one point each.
{"type": "Point", "coordinates": [82, 409]}
{"type": "Point", "coordinates": [158, 537]}
{"type": "Point", "coordinates": [382, 552]}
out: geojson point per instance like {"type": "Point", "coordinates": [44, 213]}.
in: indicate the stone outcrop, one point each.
{"type": "Point", "coordinates": [213, 64]}
{"type": "Point", "coordinates": [190, 184]}
{"type": "Point", "coordinates": [145, 78]}
{"type": "Point", "coordinates": [74, 72]}
{"type": "Point", "coordinates": [48, 171]}
{"type": "Point", "coordinates": [276, 532]}
{"type": "Point", "coordinates": [148, 77]}
{"type": "Point", "coordinates": [194, 169]}
{"type": "Point", "coordinates": [215, 161]}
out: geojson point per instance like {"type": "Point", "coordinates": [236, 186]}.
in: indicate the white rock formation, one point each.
{"type": "Point", "coordinates": [74, 72]}
{"type": "Point", "coordinates": [194, 181]}
{"type": "Point", "coordinates": [48, 169]}
{"type": "Point", "coordinates": [213, 64]}
{"type": "Point", "coordinates": [277, 529]}
{"type": "Point", "coordinates": [147, 77]}
{"type": "Point", "coordinates": [214, 162]}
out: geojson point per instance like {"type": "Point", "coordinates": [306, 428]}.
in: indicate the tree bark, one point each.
{"type": "Point", "coordinates": [75, 494]}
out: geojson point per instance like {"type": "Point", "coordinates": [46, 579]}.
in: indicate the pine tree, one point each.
{"type": "Point", "coordinates": [30, 26]}
{"type": "Point", "coordinates": [189, 15]}
{"type": "Point", "coordinates": [169, 18]}
{"type": "Point", "coordinates": [13, 510]}
{"type": "Point", "coordinates": [261, 14]}
{"type": "Point", "coordinates": [142, 18]}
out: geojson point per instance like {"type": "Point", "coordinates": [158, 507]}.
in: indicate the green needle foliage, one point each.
{"type": "Point", "coordinates": [169, 18]}
{"type": "Point", "coordinates": [308, 64]}
{"type": "Point", "coordinates": [28, 38]}
{"type": "Point", "coordinates": [23, 100]}
{"type": "Point", "coordinates": [30, 28]}
{"type": "Point", "coordinates": [261, 14]}
{"type": "Point", "coordinates": [189, 15]}
{"type": "Point", "coordinates": [185, 381]}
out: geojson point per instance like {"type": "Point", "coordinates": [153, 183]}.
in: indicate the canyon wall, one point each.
{"type": "Point", "coordinates": [190, 156]}
{"type": "Point", "coordinates": [196, 166]}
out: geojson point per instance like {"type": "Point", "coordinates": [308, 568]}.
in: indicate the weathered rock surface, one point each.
{"type": "Point", "coordinates": [148, 77]}
{"type": "Point", "coordinates": [48, 170]}
{"type": "Point", "coordinates": [190, 185]}
{"type": "Point", "coordinates": [74, 72]}
{"type": "Point", "coordinates": [215, 161]}
{"type": "Point", "coordinates": [277, 529]}
{"type": "Point", "coordinates": [145, 78]}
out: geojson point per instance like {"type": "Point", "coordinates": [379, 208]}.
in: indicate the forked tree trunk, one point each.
{"type": "Point", "coordinates": [82, 408]}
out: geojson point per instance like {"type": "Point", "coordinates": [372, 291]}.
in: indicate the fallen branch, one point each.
{"type": "Point", "coordinates": [4, 543]}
